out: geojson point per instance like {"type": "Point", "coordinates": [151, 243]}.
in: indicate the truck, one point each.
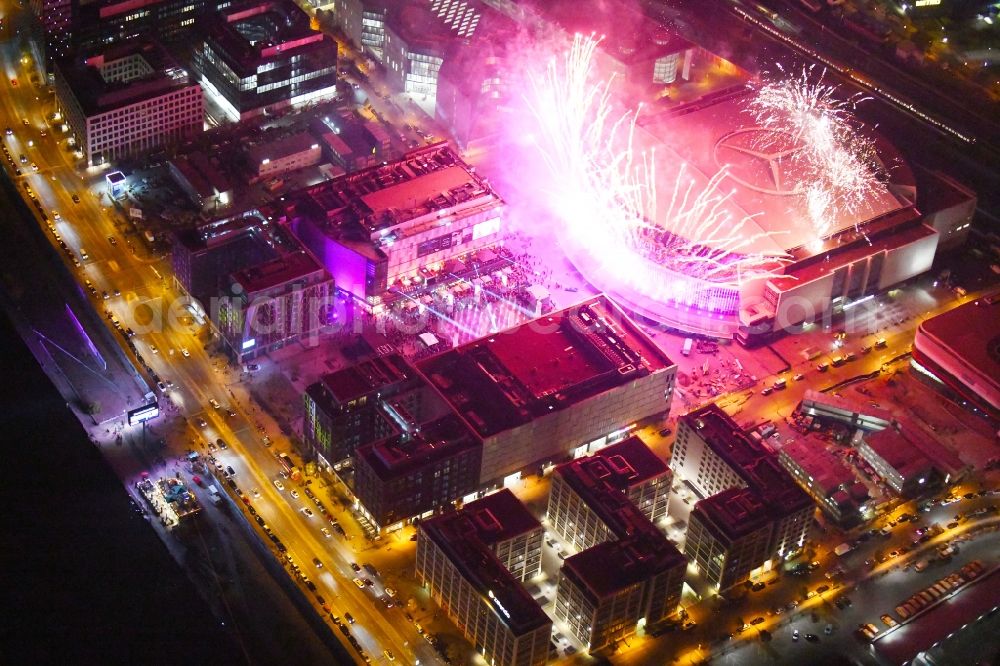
{"type": "Point", "coordinates": [688, 344]}
{"type": "Point", "coordinates": [843, 549]}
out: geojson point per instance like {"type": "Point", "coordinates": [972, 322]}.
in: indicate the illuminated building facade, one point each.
{"type": "Point", "coordinates": [715, 456]}
{"type": "Point", "coordinates": [104, 22]}
{"type": "Point", "coordinates": [626, 569]}
{"type": "Point", "coordinates": [127, 100]}
{"type": "Point", "coordinates": [378, 227]}
{"type": "Point", "coordinates": [728, 536]}
{"type": "Point", "coordinates": [456, 562]}
{"type": "Point", "coordinates": [273, 304]}
{"type": "Point", "coordinates": [554, 387]}
{"type": "Point", "coordinates": [261, 57]}
{"type": "Point", "coordinates": [55, 18]}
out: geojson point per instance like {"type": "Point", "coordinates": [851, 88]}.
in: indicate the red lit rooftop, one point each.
{"type": "Point", "coordinates": [550, 363]}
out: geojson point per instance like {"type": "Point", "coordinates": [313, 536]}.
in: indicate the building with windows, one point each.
{"type": "Point", "coordinates": [628, 467]}
{"type": "Point", "coordinates": [908, 459]}
{"type": "Point", "coordinates": [269, 305]}
{"type": "Point", "coordinates": [729, 536]}
{"type": "Point", "coordinates": [457, 562]}
{"type": "Point", "coordinates": [567, 383]}
{"type": "Point", "coordinates": [377, 227]}
{"type": "Point", "coordinates": [825, 476]}
{"type": "Point", "coordinates": [103, 22]}
{"type": "Point", "coordinates": [203, 257]}
{"type": "Point", "coordinates": [55, 21]}
{"type": "Point", "coordinates": [355, 406]}
{"type": "Point", "coordinates": [421, 469]}
{"type": "Point", "coordinates": [713, 454]}
{"type": "Point", "coordinates": [127, 100]}
{"type": "Point", "coordinates": [261, 57]}
{"type": "Point", "coordinates": [269, 159]}
{"type": "Point", "coordinates": [626, 569]}
{"type": "Point", "coordinates": [504, 525]}
{"type": "Point", "coordinates": [415, 44]}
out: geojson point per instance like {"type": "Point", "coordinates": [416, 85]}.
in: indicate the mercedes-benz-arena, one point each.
{"type": "Point", "coordinates": [756, 260]}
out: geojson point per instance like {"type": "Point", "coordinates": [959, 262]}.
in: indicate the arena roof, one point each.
{"type": "Point", "coordinates": [721, 133]}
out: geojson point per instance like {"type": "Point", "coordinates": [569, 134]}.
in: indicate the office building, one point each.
{"type": "Point", "coordinates": [262, 57]}
{"type": "Point", "coordinates": [269, 159]}
{"type": "Point", "coordinates": [55, 21]}
{"type": "Point", "coordinates": [105, 22]}
{"type": "Point", "coordinates": [956, 352]}
{"type": "Point", "coordinates": [729, 536]}
{"type": "Point", "coordinates": [474, 588]}
{"type": "Point", "coordinates": [825, 476]}
{"type": "Point", "coordinates": [203, 257]}
{"type": "Point", "coordinates": [501, 523]}
{"type": "Point", "coordinates": [908, 459]}
{"type": "Point", "coordinates": [127, 100]}
{"type": "Point", "coordinates": [713, 454]}
{"type": "Point", "coordinates": [354, 406]}
{"type": "Point", "coordinates": [269, 305]}
{"type": "Point", "coordinates": [626, 569]}
{"type": "Point", "coordinates": [379, 227]}
{"type": "Point", "coordinates": [629, 467]}
{"type": "Point", "coordinates": [425, 467]}
{"type": "Point", "coordinates": [567, 383]}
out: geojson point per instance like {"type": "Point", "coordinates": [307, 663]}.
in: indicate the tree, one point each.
{"type": "Point", "coordinates": [92, 407]}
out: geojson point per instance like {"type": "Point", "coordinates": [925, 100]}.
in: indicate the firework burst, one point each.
{"type": "Point", "coordinates": [610, 196]}
{"type": "Point", "coordinates": [835, 167]}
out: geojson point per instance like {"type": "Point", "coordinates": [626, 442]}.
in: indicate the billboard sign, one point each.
{"type": "Point", "coordinates": [145, 413]}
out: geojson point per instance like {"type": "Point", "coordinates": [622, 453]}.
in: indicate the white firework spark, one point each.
{"type": "Point", "coordinates": [836, 167]}
{"type": "Point", "coordinates": [609, 192]}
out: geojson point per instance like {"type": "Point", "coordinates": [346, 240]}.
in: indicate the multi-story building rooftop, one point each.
{"type": "Point", "coordinates": [713, 454]}
{"type": "Point", "coordinates": [824, 476]}
{"type": "Point", "coordinates": [907, 459]}
{"type": "Point", "coordinates": [553, 386]}
{"type": "Point", "coordinates": [473, 586]}
{"type": "Point", "coordinates": [959, 350]}
{"type": "Point", "coordinates": [269, 305]}
{"type": "Point", "coordinates": [729, 536]}
{"type": "Point", "coordinates": [55, 18]}
{"type": "Point", "coordinates": [626, 569]}
{"type": "Point", "coordinates": [350, 407]}
{"type": "Point", "coordinates": [376, 227]}
{"type": "Point", "coordinates": [203, 257]}
{"type": "Point", "coordinates": [423, 468]}
{"type": "Point", "coordinates": [127, 100]}
{"type": "Point", "coordinates": [99, 23]}
{"type": "Point", "coordinates": [262, 56]}
{"type": "Point", "coordinates": [630, 468]}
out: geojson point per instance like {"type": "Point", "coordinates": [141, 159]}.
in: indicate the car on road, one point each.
{"type": "Point", "coordinates": [215, 403]}
{"type": "Point", "coordinates": [256, 493]}
{"type": "Point", "coordinates": [757, 620]}
{"type": "Point", "coordinates": [185, 352]}
{"type": "Point", "coordinates": [153, 349]}
{"type": "Point", "coordinates": [389, 655]}
{"type": "Point", "coordinates": [307, 511]}
{"type": "Point", "coordinates": [9, 131]}
{"type": "Point", "coordinates": [828, 629]}
{"type": "Point", "coordinates": [34, 167]}
{"type": "Point", "coordinates": [316, 561]}
{"type": "Point", "coordinates": [391, 592]}
{"type": "Point", "coordinates": [230, 413]}
{"type": "Point", "coordinates": [795, 635]}
{"type": "Point", "coordinates": [221, 443]}
{"type": "Point", "coordinates": [202, 423]}
{"type": "Point", "coordinates": [350, 618]}
{"type": "Point", "coordinates": [799, 377]}
{"type": "Point", "coordinates": [325, 532]}
{"type": "Point", "coordinates": [76, 200]}
{"type": "Point", "coordinates": [294, 494]}
{"type": "Point", "coordinates": [354, 565]}
{"type": "Point", "coordinates": [360, 583]}
{"type": "Point", "coordinates": [369, 582]}
{"type": "Point", "coordinates": [24, 159]}
{"type": "Point", "coordinates": [888, 620]}
{"type": "Point", "coordinates": [279, 485]}
{"type": "Point", "coordinates": [812, 638]}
